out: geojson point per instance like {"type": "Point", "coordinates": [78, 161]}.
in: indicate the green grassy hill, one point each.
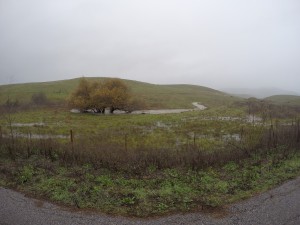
{"type": "Point", "coordinates": [284, 99]}
{"type": "Point", "coordinates": [155, 96]}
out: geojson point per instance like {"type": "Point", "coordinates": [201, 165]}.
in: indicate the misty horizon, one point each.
{"type": "Point", "coordinates": [257, 92]}
{"type": "Point", "coordinates": [217, 44]}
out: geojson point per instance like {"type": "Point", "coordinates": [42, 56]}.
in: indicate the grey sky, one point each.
{"type": "Point", "coordinates": [214, 43]}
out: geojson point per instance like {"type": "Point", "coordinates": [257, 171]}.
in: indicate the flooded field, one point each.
{"type": "Point", "coordinates": [28, 124]}
{"type": "Point", "coordinates": [37, 136]}
{"type": "Point", "coordinates": [197, 106]}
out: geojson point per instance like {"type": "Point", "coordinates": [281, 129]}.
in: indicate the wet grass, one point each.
{"type": "Point", "coordinates": [168, 130]}
{"type": "Point", "coordinates": [146, 165]}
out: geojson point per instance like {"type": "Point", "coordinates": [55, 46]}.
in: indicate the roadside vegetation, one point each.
{"type": "Point", "coordinates": [146, 165]}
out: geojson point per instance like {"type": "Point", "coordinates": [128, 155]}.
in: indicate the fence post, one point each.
{"type": "Point", "coordinates": [194, 140]}
{"type": "Point", "coordinates": [72, 145]}
{"type": "Point", "coordinates": [298, 131]}
{"type": "Point", "coordinates": [242, 134]}
{"type": "Point", "coordinates": [125, 139]}
{"type": "Point", "coordinates": [71, 136]}
{"type": "Point", "coordinates": [270, 137]}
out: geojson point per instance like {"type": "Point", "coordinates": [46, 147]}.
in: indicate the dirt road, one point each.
{"type": "Point", "coordinates": [280, 206]}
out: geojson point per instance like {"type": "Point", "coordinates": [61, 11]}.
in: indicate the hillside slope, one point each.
{"type": "Point", "coordinates": [257, 92]}
{"type": "Point", "coordinates": [156, 96]}
{"type": "Point", "coordinates": [285, 99]}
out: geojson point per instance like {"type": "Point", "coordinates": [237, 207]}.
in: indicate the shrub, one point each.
{"type": "Point", "coordinates": [39, 98]}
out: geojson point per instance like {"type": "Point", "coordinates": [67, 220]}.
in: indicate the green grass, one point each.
{"type": "Point", "coordinates": [155, 96]}
{"type": "Point", "coordinates": [156, 192]}
{"type": "Point", "coordinates": [162, 175]}
{"type": "Point", "coordinates": [147, 130]}
{"type": "Point", "coordinates": [292, 100]}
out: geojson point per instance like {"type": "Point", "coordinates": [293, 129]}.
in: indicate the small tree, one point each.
{"type": "Point", "coordinates": [119, 94]}
{"type": "Point", "coordinates": [112, 93]}
{"type": "Point", "coordinates": [81, 97]}
{"type": "Point", "coordinates": [100, 99]}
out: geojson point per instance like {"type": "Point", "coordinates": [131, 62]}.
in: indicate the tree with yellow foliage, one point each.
{"type": "Point", "coordinates": [118, 93]}
{"type": "Point", "coordinates": [112, 93]}
{"type": "Point", "coordinates": [80, 98]}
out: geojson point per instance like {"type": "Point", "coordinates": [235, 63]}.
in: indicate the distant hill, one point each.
{"type": "Point", "coordinates": [285, 99]}
{"type": "Point", "coordinates": [257, 92]}
{"type": "Point", "coordinates": [155, 96]}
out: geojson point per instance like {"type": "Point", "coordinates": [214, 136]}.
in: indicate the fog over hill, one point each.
{"type": "Point", "coordinates": [258, 92]}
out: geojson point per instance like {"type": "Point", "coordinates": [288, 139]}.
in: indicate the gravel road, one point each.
{"type": "Point", "coordinates": [280, 206]}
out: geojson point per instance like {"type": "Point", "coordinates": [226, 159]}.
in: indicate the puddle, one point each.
{"type": "Point", "coordinates": [253, 119]}
{"type": "Point", "coordinates": [224, 137]}
{"type": "Point", "coordinates": [228, 118]}
{"type": "Point", "coordinates": [161, 111]}
{"type": "Point", "coordinates": [38, 136]}
{"type": "Point", "coordinates": [248, 119]}
{"type": "Point", "coordinates": [235, 137]}
{"type": "Point", "coordinates": [197, 106]}
{"type": "Point", "coordinates": [28, 124]}
{"type": "Point", "coordinates": [161, 125]}
{"type": "Point", "coordinates": [75, 111]}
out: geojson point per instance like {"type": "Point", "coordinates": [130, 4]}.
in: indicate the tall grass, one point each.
{"type": "Point", "coordinates": [100, 152]}
{"type": "Point", "coordinates": [145, 165]}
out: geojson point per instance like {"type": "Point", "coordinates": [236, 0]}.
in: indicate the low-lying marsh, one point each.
{"type": "Point", "coordinates": [144, 165]}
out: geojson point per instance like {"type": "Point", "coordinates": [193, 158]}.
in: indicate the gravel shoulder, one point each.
{"type": "Point", "coordinates": [280, 206]}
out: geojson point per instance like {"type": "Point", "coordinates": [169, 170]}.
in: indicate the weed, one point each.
{"type": "Point", "coordinates": [104, 180]}
{"type": "Point", "coordinates": [26, 174]}
{"type": "Point", "coordinates": [231, 167]}
{"type": "Point", "coordinates": [161, 207]}
{"type": "Point", "coordinates": [128, 200]}
{"type": "Point", "coordinates": [152, 168]}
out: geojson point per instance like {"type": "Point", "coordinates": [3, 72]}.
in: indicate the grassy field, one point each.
{"type": "Point", "coordinates": [155, 96]}
{"type": "Point", "coordinates": [147, 165]}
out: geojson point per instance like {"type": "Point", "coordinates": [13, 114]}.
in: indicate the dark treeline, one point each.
{"type": "Point", "coordinates": [38, 99]}
{"type": "Point", "coordinates": [268, 110]}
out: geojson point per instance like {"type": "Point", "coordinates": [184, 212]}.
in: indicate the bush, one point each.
{"type": "Point", "coordinates": [39, 98]}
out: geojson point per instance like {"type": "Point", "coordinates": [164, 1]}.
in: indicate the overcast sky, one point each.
{"type": "Point", "coordinates": [214, 43]}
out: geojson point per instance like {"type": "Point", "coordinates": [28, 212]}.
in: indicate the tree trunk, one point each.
{"type": "Point", "coordinates": [111, 110]}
